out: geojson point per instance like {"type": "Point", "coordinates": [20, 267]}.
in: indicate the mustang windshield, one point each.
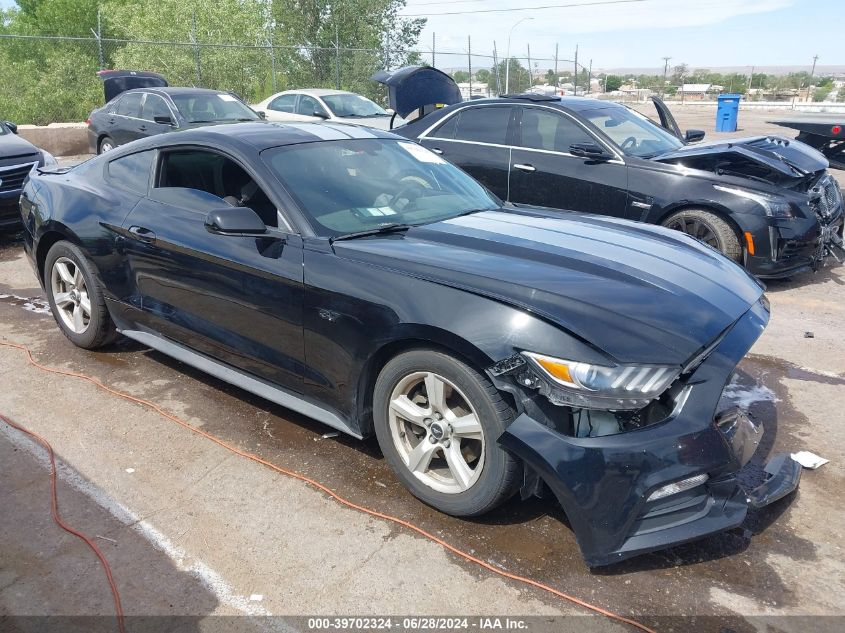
{"type": "Point", "coordinates": [353, 106]}
{"type": "Point", "coordinates": [357, 185]}
{"type": "Point", "coordinates": [635, 134]}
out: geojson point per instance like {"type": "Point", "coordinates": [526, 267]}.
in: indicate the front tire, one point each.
{"type": "Point", "coordinates": [437, 421]}
{"type": "Point", "coordinates": [709, 228]}
{"type": "Point", "coordinates": [76, 298]}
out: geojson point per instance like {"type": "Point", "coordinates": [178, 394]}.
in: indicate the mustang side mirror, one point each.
{"type": "Point", "coordinates": [589, 150]}
{"type": "Point", "coordinates": [235, 221]}
{"type": "Point", "coordinates": [164, 120]}
{"type": "Point", "coordinates": [11, 126]}
{"type": "Point", "coordinates": [320, 114]}
{"type": "Point", "coordinates": [261, 113]}
{"type": "Point", "coordinates": [693, 136]}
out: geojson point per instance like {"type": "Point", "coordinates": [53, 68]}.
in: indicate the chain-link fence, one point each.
{"type": "Point", "coordinates": [49, 79]}
{"type": "Point", "coordinates": [45, 79]}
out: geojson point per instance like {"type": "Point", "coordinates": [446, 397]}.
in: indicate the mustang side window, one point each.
{"type": "Point", "coordinates": [184, 172]}
{"type": "Point", "coordinates": [132, 171]}
{"type": "Point", "coordinates": [488, 124]}
{"type": "Point", "coordinates": [544, 129]}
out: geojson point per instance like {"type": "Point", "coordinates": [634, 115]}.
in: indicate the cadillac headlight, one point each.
{"type": "Point", "coordinates": [773, 206]}
{"type": "Point", "coordinates": [578, 384]}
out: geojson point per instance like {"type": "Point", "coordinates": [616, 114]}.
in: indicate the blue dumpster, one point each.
{"type": "Point", "coordinates": [727, 112]}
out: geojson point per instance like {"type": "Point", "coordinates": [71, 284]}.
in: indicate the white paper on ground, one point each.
{"type": "Point", "coordinates": [809, 460]}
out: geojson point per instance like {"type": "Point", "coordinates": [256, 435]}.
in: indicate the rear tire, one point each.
{"type": "Point", "coordinates": [76, 297]}
{"type": "Point", "coordinates": [709, 228]}
{"type": "Point", "coordinates": [443, 448]}
{"type": "Point", "coordinates": [106, 145]}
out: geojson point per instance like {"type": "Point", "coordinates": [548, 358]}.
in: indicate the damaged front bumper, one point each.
{"type": "Point", "coordinates": [607, 484]}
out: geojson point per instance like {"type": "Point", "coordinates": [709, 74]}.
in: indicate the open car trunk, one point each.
{"type": "Point", "coordinates": [418, 88]}
{"type": "Point", "coordinates": [117, 81]}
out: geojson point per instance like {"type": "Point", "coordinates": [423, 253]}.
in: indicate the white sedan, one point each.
{"type": "Point", "coordinates": [325, 105]}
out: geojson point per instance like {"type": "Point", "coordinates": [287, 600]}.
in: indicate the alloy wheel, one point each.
{"type": "Point", "coordinates": [70, 295]}
{"type": "Point", "coordinates": [696, 228]}
{"type": "Point", "coordinates": [437, 432]}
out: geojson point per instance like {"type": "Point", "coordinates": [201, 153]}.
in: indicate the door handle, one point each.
{"type": "Point", "coordinates": [436, 150]}
{"type": "Point", "coordinates": [111, 121]}
{"type": "Point", "coordinates": [144, 235]}
{"type": "Point", "coordinates": [143, 128]}
{"type": "Point", "coordinates": [522, 167]}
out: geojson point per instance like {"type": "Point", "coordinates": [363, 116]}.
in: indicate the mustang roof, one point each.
{"type": "Point", "coordinates": [261, 135]}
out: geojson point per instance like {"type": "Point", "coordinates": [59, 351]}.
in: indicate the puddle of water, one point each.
{"type": "Point", "coordinates": [38, 305]}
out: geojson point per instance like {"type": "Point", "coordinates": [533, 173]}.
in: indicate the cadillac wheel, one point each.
{"type": "Point", "coordinates": [437, 421]}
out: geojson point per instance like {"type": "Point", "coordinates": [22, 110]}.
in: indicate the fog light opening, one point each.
{"type": "Point", "coordinates": [678, 486]}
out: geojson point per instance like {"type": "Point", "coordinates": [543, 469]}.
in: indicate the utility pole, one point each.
{"type": "Point", "coordinates": [557, 82]}
{"type": "Point", "coordinates": [469, 62]}
{"type": "Point", "coordinates": [433, 63]}
{"type": "Point", "coordinates": [750, 79]}
{"type": "Point", "coordinates": [575, 80]}
{"type": "Point", "coordinates": [665, 72]}
{"type": "Point", "coordinates": [813, 71]}
{"type": "Point", "coordinates": [590, 77]}
{"type": "Point", "coordinates": [530, 71]}
{"type": "Point", "coordinates": [496, 68]}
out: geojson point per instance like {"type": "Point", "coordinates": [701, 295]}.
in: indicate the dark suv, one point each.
{"type": "Point", "coordinates": [766, 202]}
{"type": "Point", "coordinates": [17, 158]}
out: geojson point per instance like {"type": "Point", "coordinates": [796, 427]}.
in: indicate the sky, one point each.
{"type": "Point", "coordinates": [638, 34]}
{"type": "Point", "coordinates": [635, 33]}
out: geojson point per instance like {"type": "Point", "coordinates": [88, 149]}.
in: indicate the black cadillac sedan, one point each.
{"type": "Point", "coordinates": [141, 112]}
{"type": "Point", "coordinates": [362, 280]}
{"type": "Point", "coordinates": [766, 202]}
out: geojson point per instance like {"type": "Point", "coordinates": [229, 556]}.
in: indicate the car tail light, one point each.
{"type": "Point", "coordinates": [836, 129]}
{"type": "Point", "coordinates": [88, 122]}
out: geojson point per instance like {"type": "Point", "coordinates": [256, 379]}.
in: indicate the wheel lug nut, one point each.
{"type": "Point", "coordinates": [446, 443]}
{"type": "Point", "coordinates": [432, 439]}
{"type": "Point", "coordinates": [438, 416]}
{"type": "Point", "coordinates": [427, 421]}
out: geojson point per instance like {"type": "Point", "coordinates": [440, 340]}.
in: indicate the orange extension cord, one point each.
{"type": "Point", "coordinates": [60, 522]}
{"type": "Point", "coordinates": [315, 484]}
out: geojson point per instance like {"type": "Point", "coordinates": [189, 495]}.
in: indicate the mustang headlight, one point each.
{"type": "Point", "coordinates": [596, 386]}
{"type": "Point", "coordinates": [773, 206]}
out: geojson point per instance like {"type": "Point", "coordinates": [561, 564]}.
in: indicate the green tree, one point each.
{"type": "Point", "coordinates": [612, 82]}
{"type": "Point", "coordinates": [483, 76]}
{"type": "Point", "coordinates": [519, 78]}
{"type": "Point", "coordinates": [378, 36]}
{"type": "Point", "coordinates": [460, 76]}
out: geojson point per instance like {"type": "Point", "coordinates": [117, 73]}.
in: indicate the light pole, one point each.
{"type": "Point", "coordinates": [508, 55]}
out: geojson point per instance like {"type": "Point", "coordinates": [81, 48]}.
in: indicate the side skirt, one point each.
{"type": "Point", "coordinates": [240, 379]}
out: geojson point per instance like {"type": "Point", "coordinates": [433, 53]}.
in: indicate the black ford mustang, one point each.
{"type": "Point", "coordinates": [766, 202]}
{"type": "Point", "coordinates": [359, 278]}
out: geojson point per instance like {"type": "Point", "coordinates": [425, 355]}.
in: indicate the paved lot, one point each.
{"type": "Point", "coordinates": [192, 529]}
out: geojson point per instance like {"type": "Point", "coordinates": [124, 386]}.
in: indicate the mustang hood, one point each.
{"type": "Point", "coordinates": [772, 158]}
{"type": "Point", "coordinates": [639, 293]}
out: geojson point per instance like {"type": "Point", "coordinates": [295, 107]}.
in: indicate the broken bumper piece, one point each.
{"type": "Point", "coordinates": [613, 488]}
{"type": "Point", "coordinates": [782, 476]}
